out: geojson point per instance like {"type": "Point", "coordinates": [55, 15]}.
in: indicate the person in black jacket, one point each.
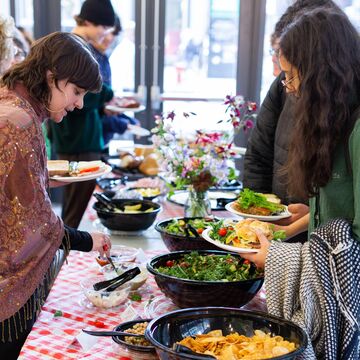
{"type": "Point", "coordinates": [268, 145]}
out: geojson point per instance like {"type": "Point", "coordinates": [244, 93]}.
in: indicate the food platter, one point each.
{"type": "Point", "coordinates": [119, 109]}
{"type": "Point", "coordinates": [219, 244]}
{"type": "Point", "coordinates": [91, 176]}
{"type": "Point", "coordinates": [285, 214]}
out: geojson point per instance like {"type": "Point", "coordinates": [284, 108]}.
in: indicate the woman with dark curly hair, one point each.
{"type": "Point", "coordinates": [51, 81]}
{"type": "Point", "coordinates": [318, 284]}
{"type": "Point", "coordinates": [320, 56]}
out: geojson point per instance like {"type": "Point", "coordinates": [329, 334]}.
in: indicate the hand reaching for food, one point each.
{"type": "Point", "coordinates": [101, 243]}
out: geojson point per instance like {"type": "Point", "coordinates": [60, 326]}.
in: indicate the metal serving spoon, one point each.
{"type": "Point", "coordinates": [109, 333]}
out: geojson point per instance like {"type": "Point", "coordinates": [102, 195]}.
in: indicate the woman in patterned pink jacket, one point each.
{"type": "Point", "coordinates": [53, 79]}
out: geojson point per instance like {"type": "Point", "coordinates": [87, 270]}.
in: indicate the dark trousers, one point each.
{"type": "Point", "coordinates": [77, 195]}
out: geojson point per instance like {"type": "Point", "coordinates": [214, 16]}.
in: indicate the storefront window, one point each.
{"type": "Point", "coordinates": [5, 7]}
{"type": "Point", "coordinates": [201, 47]}
{"type": "Point", "coordinates": [25, 15]}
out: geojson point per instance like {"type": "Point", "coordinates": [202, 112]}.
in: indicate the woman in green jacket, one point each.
{"type": "Point", "coordinates": [320, 56]}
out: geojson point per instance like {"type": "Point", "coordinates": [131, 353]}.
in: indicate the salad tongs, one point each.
{"type": "Point", "coordinates": [105, 201]}
{"type": "Point", "coordinates": [112, 284]}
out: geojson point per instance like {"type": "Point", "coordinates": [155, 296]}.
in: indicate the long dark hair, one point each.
{"type": "Point", "coordinates": [325, 48]}
{"type": "Point", "coordinates": [296, 9]}
{"type": "Point", "coordinates": [66, 55]}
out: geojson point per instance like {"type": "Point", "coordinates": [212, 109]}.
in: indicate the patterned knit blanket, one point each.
{"type": "Point", "coordinates": [317, 285]}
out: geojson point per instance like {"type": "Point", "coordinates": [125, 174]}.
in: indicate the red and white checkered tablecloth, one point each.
{"type": "Point", "coordinates": [55, 337]}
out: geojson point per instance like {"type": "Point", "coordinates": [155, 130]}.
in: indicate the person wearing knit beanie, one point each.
{"type": "Point", "coordinates": [99, 12]}
{"type": "Point", "coordinates": [96, 18]}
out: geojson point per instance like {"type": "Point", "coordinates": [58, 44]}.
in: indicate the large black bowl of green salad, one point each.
{"type": "Point", "coordinates": [206, 278]}
{"type": "Point", "coordinates": [184, 233]}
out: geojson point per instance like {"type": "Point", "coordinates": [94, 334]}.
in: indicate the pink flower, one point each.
{"type": "Point", "coordinates": [171, 115]}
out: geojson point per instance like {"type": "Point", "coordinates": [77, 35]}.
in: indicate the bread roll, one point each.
{"type": "Point", "coordinates": [130, 161]}
{"type": "Point", "coordinates": [272, 198]}
{"type": "Point", "coordinates": [245, 229]}
{"type": "Point", "coordinates": [150, 165]}
{"type": "Point", "coordinates": [143, 150]}
{"type": "Point", "coordinates": [58, 167]}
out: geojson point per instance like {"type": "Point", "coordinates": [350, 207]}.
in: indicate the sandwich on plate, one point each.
{"type": "Point", "coordinates": [74, 168]}
{"type": "Point", "coordinates": [243, 234]}
{"type": "Point", "coordinates": [251, 202]}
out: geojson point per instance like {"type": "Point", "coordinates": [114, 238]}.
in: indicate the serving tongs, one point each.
{"type": "Point", "coordinates": [105, 201]}
{"type": "Point", "coordinates": [181, 349]}
{"type": "Point", "coordinates": [112, 284]}
{"type": "Point", "coordinates": [190, 229]}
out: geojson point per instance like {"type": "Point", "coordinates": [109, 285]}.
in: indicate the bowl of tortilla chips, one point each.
{"type": "Point", "coordinates": [224, 333]}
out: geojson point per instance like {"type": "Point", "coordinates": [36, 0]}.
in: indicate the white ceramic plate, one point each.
{"type": "Point", "coordinates": [283, 215]}
{"type": "Point", "coordinates": [119, 109]}
{"type": "Point", "coordinates": [206, 236]}
{"type": "Point", "coordinates": [180, 197]}
{"type": "Point", "coordinates": [91, 176]}
{"type": "Point", "coordinates": [138, 131]}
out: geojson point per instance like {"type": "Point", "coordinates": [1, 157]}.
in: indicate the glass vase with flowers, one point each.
{"type": "Point", "coordinates": [203, 161]}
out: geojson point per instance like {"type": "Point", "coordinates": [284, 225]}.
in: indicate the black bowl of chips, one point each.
{"type": "Point", "coordinates": [206, 278]}
{"type": "Point", "coordinates": [167, 330]}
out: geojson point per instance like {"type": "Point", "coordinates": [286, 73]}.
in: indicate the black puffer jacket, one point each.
{"type": "Point", "coordinates": [268, 146]}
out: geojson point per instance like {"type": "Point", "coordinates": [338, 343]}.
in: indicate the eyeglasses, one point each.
{"type": "Point", "coordinates": [273, 52]}
{"type": "Point", "coordinates": [286, 83]}
{"type": "Point", "coordinates": [19, 54]}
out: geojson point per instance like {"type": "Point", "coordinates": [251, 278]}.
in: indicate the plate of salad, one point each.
{"type": "Point", "coordinates": [240, 236]}
{"type": "Point", "coordinates": [265, 207]}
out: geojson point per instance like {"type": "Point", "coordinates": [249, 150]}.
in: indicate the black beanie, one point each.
{"type": "Point", "coordinates": [99, 12]}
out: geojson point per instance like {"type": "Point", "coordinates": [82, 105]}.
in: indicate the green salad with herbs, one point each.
{"type": "Point", "coordinates": [194, 266]}
{"type": "Point", "coordinates": [188, 227]}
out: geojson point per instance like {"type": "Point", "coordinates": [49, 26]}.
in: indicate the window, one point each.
{"type": "Point", "coordinates": [25, 15]}
{"type": "Point", "coordinates": [201, 47]}
{"type": "Point", "coordinates": [5, 4]}
{"type": "Point", "coordinates": [274, 10]}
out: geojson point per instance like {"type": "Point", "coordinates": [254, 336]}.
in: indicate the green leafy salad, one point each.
{"type": "Point", "coordinates": [190, 227]}
{"type": "Point", "coordinates": [194, 266]}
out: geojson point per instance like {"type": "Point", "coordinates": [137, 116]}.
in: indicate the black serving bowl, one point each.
{"type": "Point", "coordinates": [127, 221]}
{"type": "Point", "coordinates": [182, 242]}
{"type": "Point", "coordinates": [193, 293]}
{"type": "Point", "coordinates": [164, 331]}
{"type": "Point", "coordinates": [121, 339]}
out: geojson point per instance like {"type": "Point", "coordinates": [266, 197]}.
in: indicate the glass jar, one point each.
{"type": "Point", "coordinates": [197, 204]}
